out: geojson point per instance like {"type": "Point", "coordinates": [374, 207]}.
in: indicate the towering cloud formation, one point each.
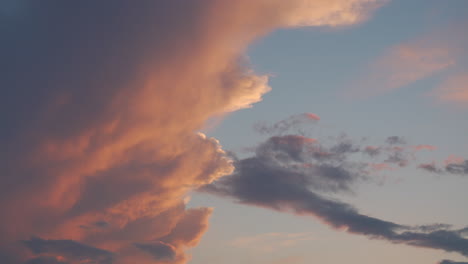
{"type": "Point", "coordinates": [99, 107]}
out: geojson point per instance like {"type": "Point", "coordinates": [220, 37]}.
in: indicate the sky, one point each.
{"type": "Point", "coordinates": [249, 131]}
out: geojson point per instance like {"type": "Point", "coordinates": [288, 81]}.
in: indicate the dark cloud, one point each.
{"type": "Point", "coordinates": [451, 168]}
{"type": "Point", "coordinates": [458, 168]}
{"type": "Point", "coordinates": [275, 178]}
{"type": "Point", "coordinates": [433, 227]}
{"type": "Point", "coordinates": [158, 249]}
{"type": "Point", "coordinates": [446, 261]}
{"type": "Point", "coordinates": [396, 150]}
{"type": "Point", "coordinates": [431, 167]}
{"type": "Point", "coordinates": [101, 224]}
{"type": "Point", "coordinates": [395, 140]}
{"type": "Point", "coordinates": [70, 250]}
{"type": "Point", "coordinates": [45, 260]}
{"type": "Point", "coordinates": [372, 151]}
{"type": "Point", "coordinates": [398, 157]}
{"type": "Point", "coordinates": [464, 231]}
{"type": "Point", "coordinates": [317, 166]}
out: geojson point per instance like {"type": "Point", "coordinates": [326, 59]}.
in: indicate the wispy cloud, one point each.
{"type": "Point", "coordinates": [400, 66]}
{"type": "Point", "coordinates": [288, 124]}
{"type": "Point", "coordinates": [454, 90]}
{"type": "Point", "coordinates": [443, 50]}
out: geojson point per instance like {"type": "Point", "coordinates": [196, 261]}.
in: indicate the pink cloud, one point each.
{"type": "Point", "coordinates": [424, 147]}
{"type": "Point", "coordinates": [454, 90]}
{"type": "Point", "coordinates": [399, 66]}
{"type": "Point", "coordinates": [312, 116]}
{"type": "Point", "coordinates": [453, 159]}
{"type": "Point", "coordinates": [380, 166]}
{"type": "Point", "coordinates": [404, 64]}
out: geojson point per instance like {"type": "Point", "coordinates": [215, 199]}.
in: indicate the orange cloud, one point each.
{"type": "Point", "coordinates": [102, 144]}
{"type": "Point", "coordinates": [312, 116]}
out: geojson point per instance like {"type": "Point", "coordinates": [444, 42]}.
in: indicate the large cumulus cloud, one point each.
{"type": "Point", "coordinates": [100, 104]}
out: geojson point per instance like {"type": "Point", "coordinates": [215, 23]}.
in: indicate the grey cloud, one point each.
{"type": "Point", "coordinates": [456, 168]}
{"type": "Point", "coordinates": [446, 261]}
{"type": "Point", "coordinates": [433, 227]}
{"type": "Point", "coordinates": [69, 249]}
{"type": "Point", "coordinates": [45, 260]}
{"type": "Point", "coordinates": [430, 167]}
{"type": "Point", "coordinates": [372, 151]}
{"type": "Point", "coordinates": [452, 168]}
{"type": "Point", "coordinates": [448, 240]}
{"type": "Point", "coordinates": [283, 126]}
{"type": "Point", "coordinates": [282, 184]}
{"type": "Point", "coordinates": [318, 166]}
{"type": "Point", "coordinates": [101, 224]}
{"type": "Point", "coordinates": [396, 151]}
{"type": "Point", "coordinates": [464, 231]}
{"type": "Point", "coordinates": [345, 147]}
{"type": "Point", "coordinates": [395, 140]}
{"type": "Point", "coordinates": [398, 156]}
{"type": "Point", "coordinates": [158, 250]}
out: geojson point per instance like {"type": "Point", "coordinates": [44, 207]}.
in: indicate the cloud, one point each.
{"type": "Point", "coordinates": [454, 90]}
{"type": "Point", "coordinates": [159, 250]}
{"type": "Point", "coordinates": [453, 159]}
{"type": "Point", "coordinates": [312, 116]}
{"type": "Point", "coordinates": [445, 261]}
{"type": "Point", "coordinates": [443, 50]}
{"type": "Point", "coordinates": [372, 150]}
{"type": "Point", "coordinates": [395, 140]}
{"type": "Point", "coordinates": [431, 167]}
{"type": "Point", "coordinates": [100, 106]}
{"type": "Point", "coordinates": [275, 178]}
{"type": "Point", "coordinates": [381, 167]}
{"type": "Point", "coordinates": [45, 260]}
{"type": "Point", "coordinates": [402, 65]}
{"type": "Point", "coordinates": [459, 168]}
{"type": "Point", "coordinates": [424, 147]}
{"type": "Point", "coordinates": [286, 125]}
{"type": "Point", "coordinates": [70, 251]}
